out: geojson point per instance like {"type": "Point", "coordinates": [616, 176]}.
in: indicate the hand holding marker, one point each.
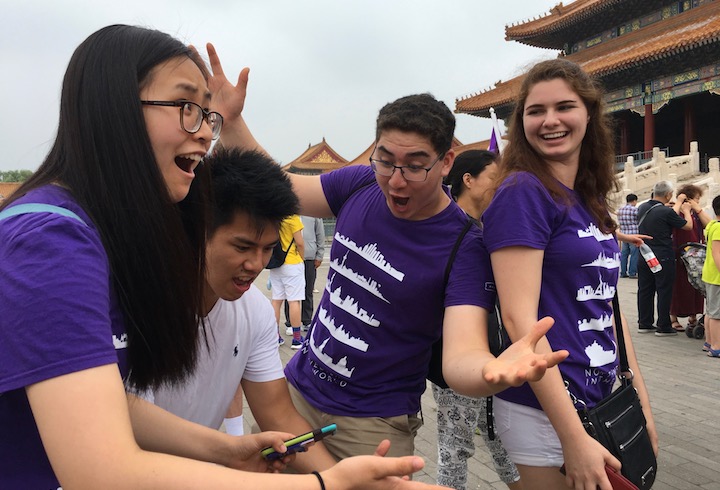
{"type": "Point", "coordinates": [299, 443]}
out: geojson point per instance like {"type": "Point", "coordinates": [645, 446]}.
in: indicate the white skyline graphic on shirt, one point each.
{"type": "Point", "coordinates": [340, 333]}
{"type": "Point", "coordinates": [371, 253]}
{"type": "Point", "coordinates": [349, 304]}
{"type": "Point", "coordinates": [605, 262]}
{"type": "Point", "coordinates": [370, 285]}
{"type": "Point", "coordinates": [602, 291]}
{"type": "Point", "coordinates": [120, 343]}
{"type": "Point", "coordinates": [340, 367]}
{"type": "Point", "coordinates": [596, 324]}
{"type": "Point", "coordinates": [594, 231]}
{"type": "Point", "coordinates": [599, 356]}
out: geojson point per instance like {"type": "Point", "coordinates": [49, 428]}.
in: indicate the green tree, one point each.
{"type": "Point", "coordinates": [15, 175]}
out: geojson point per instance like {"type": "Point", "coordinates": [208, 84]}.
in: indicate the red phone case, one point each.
{"type": "Point", "coordinates": [618, 481]}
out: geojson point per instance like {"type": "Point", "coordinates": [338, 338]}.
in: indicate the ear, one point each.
{"type": "Point", "coordinates": [466, 179]}
{"type": "Point", "coordinates": [447, 162]}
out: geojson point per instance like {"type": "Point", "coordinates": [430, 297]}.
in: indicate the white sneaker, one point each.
{"type": "Point", "coordinates": [288, 330]}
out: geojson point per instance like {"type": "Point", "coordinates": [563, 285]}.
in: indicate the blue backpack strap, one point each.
{"type": "Point", "coordinates": [38, 208]}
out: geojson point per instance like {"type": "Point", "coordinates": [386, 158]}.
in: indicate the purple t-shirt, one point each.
{"type": "Point", "coordinates": [579, 279]}
{"type": "Point", "coordinates": [369, 346]}
{"type": "Point", "coordinates": [57, 316]}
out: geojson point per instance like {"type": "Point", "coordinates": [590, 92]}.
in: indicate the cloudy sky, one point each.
{"type": "Point", "coordinates": [318, 68]}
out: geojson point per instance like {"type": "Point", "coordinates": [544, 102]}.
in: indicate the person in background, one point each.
{"type": "Point", "coordinates": [627, 219]}
{"type": "Point", "coordinates": [287, 282]}
{"type": "Point", "coordinates": [686, 300]}
{"type": "Point", "coordinates": [100, 287]}
{"type": "Point", "coordinates": [658, 220]}
{"type": "Point", "coordinates": [314, 238]}
{"type": "Point", "coordinates": [711, 278]}
{"type": "Point", "coordinates": [554, 252]}
{"type": "Point", "coordinates": [470, 180]}
{"type": "Point", "coordinates": [251, 197]}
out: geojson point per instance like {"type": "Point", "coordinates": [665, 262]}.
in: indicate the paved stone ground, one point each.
{"type": "Point", "coordinates": [684, 387]}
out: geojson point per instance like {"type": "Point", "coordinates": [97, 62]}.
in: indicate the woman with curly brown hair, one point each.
{"type": "Point", "coordinates": [555, 253]}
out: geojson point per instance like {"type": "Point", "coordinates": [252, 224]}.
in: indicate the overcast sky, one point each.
{"type": "Point", "coordinates": [318, 68]}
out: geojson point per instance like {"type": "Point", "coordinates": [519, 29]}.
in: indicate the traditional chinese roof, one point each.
{"type": "Point", "coordinates": [478, 145]}
{"type": "Point", "coordinates": [319, 158]}
{"type": "Point", "coordinates": [7, 188]}
{"type": "Point", "coordinates": [573, 21]}
{"type": "Point", "coordinates": [674, 38]}
{"type": "Point", "coordinates": [364, 157]}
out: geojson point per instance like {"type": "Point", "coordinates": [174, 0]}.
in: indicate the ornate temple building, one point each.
{"type": "Point", "coordinates": [658, 60]}
{"type": "Point", "coordinates": [317, 159]}
{"type": "Point", "coordinates": [321, 158]}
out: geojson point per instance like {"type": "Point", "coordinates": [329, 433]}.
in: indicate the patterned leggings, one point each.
{"type": "Point", "coordinates": [457, 417]}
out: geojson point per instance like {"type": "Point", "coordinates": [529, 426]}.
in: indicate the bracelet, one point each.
{"type": "Point", "coordinates": [322, 483]}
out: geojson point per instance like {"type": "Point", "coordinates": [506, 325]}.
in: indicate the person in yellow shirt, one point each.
{"type": "Point", "coordinates": [711, 278]}
{"type": "Point", "coordinates": [288, 281]}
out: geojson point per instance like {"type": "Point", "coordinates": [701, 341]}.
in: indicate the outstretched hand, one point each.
{"type": "Point", "coordinates": [520, 362]}
{"type": "Point", "coordinates": [227, 99]}
{"type": "Point", "coordinates": [373, 472]}
{"type": "Point", "coordinates": [247, 457]}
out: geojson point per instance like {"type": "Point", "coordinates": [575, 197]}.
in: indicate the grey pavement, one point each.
{"type": "Point", "coordinates": [684, 386]}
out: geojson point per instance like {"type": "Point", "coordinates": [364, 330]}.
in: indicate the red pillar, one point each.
{"type": "Point", "coordinates": [689, 123]}
{"type": "Point", "coordinates": [649, 136]}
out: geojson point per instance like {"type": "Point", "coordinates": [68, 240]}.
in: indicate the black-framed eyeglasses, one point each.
{"type": "Point", "coordinates": [192, 115]}
{"type": "Point", "coordinates": [411, 173]}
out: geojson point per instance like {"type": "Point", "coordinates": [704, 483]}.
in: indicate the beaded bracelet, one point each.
{"type": "Point", "coordinates": [322, 483]}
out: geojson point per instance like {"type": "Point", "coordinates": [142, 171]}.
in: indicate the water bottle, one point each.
{"type": "Point", "coordinates": [650, 258]}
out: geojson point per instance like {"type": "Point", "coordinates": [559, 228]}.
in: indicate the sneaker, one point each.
{"type": "Point", "coordinates": [305, 328]}
{"type": "Point", "coordinates": [288, 330]}
{"type": "Point", "coordinates": [665, 333]}
{"type": "Point", "coordinates": [297, 344]}
{"type": "Point", "coordinates": [646, 329]}
{"type": "Point", "coordinates": [281, 341]}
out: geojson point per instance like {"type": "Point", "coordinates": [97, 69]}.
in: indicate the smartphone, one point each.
{"type": "Point", "coordinates": [297, 444]}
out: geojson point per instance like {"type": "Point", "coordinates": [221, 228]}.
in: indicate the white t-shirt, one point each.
{"type": "Point", "coordinates": [243, 345]}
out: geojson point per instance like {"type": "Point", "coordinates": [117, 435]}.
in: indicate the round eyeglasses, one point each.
{"type": "Point", "coordinates": [411, 173]}
{"type": "Point", "coordinates": [192, 115]}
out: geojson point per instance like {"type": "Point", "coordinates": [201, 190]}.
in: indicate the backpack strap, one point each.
{"type": "Point", "coordinates": [33, 207]}
{"type": "Point", "coordinates": [456, 247]}
{"type": "Point", "coordinates": [435, 365]}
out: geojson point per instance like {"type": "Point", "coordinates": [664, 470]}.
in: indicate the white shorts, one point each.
{"type": "Point", "coordinates": [288, 282]}
{"type": "Point", "coordinates": [527, 435]}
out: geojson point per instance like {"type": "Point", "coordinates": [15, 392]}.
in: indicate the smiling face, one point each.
{"type": "Point", "coordinates": [235, 254]}
{"type": "Point", "coordinates": [177, 152]}
{"type": "Point", "coordinates": [412, 201]}
{"type": "Point", "coordinates": [555, 120]}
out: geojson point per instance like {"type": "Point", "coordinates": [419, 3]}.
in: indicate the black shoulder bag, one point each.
{"type": "Point", "coordinates": [279, 255]}
{"type": "Point", "coordinates": [618, 422]}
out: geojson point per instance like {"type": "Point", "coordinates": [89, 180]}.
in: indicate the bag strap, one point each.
{"type": "Point", "coordinates": [623, 365]}
{"type": "Point", "coordinates": [38, 208]}
{"type": "Point", "coordinates": [620, 337]}
{"type": "Point", "coordinates": [289, 246]}
{"type": "Point", "coordinates": [648, 212]}
{"type": "Point", "coordinates": [456, 247]}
